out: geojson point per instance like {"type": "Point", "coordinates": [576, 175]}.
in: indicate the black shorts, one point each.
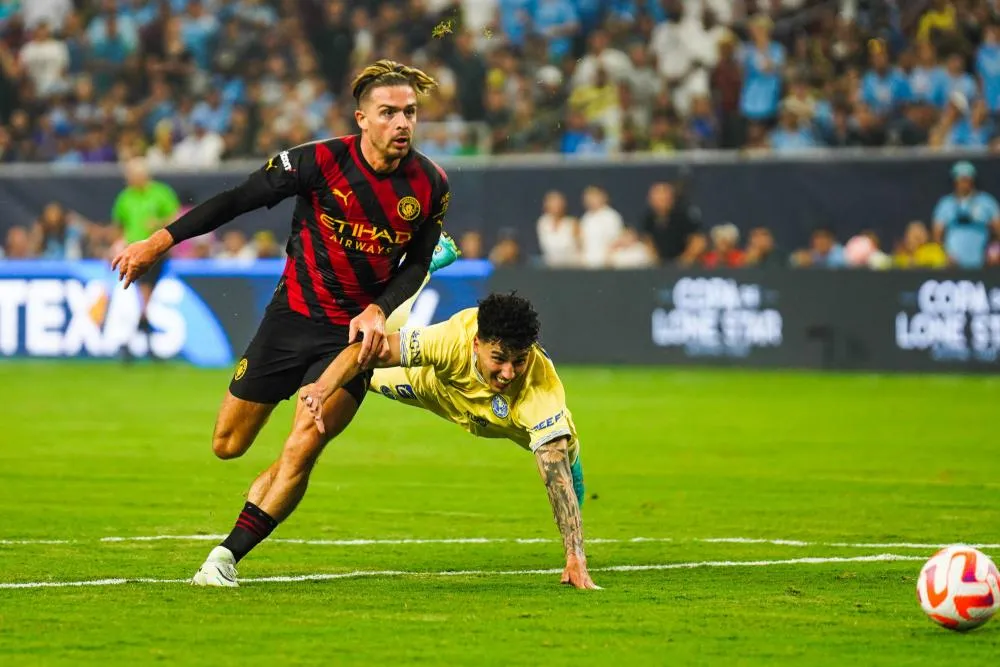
{"type": "Point", "coordinates": [289, 351]}
{"type": "Point", "coordinates": [153, 275]}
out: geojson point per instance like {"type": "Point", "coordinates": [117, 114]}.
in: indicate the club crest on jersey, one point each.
{"type": "Point", "coordinates": [500, 407]}
{"type": "Point", "coordinates": [241, 369]}
{"type": "Point", "coordinates": [408, 208]}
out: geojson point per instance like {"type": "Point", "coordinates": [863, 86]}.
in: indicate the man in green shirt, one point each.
{"type": "Point", "coordinates": [142, 208]}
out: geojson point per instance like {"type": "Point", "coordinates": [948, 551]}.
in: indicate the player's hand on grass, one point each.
{"type": "Point", "coordinates": [313, 396]}
{"type": "Point", "coordinates": [371, 325]}
{"type": "Point", "coordinates": [136, 258]}
{"type": "Point", "coordinates": [576, 574]}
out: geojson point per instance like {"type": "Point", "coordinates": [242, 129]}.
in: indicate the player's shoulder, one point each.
{"type": "Point", "coordinates": [340, 143]}
{"type": "Point", "coordinates": [541, 391]}
{"type": "Point", "coordinates": [541, 375]}
{"type": "Point", "coordinates": [543, 362]}
{"type": "Point", "coordinates": [461, 326]}
{"type": "Point", "coordinates": [336, 146]}
{"type": "Point", "coordinates": [464, 323]}
{"type": "Point", "coordinates": [436, 173]}
{"type": "Point", "coordinates": [159, 187]}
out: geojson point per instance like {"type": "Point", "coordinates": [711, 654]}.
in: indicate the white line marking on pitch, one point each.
{"type": "Point", "coordinates": [880, 558]}
{"type": "Point", "coordinates": [501, 540]}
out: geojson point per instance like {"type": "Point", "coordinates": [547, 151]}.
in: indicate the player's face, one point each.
{"type": "Point", "coordinates": [388, 118]}
{"type": "Point", "coordinates": [500, 366]}
{"type": "Point", "coordinates": [964, 186]}
{"type": "Point", "coordinates": [136, 174]}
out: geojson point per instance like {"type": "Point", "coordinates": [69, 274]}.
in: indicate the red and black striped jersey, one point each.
{"type": "Point", "coordinates": [351, 225]}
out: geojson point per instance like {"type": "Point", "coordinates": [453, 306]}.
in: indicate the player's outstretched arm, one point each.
{"type": "Point", "coordinates": [258, 190]}
{"type": "Point", "coordinates": [136, 258]}
{"type": "Point", "coordinates": [553, 465]}
{"type": "Point", "coordinates": [341, 371]}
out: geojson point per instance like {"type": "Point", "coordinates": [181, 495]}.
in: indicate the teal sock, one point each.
{"type": "Point", "coordinates": [577, 470]}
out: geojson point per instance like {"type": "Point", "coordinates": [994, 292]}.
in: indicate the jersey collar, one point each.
{"type": "Point", "coordinates": [476, 371]}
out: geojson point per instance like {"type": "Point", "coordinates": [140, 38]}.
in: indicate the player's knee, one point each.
{"type": "Point", "coordinates": [226, 444]}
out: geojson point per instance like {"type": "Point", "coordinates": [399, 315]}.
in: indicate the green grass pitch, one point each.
{"type": "Point", "coordinates": [694, 459]}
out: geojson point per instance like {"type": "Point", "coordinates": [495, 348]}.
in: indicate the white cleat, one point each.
{"type": "Point", "coordinates": [219, 569]}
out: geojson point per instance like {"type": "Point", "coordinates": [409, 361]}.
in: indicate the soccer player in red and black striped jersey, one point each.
{"type": "Point", "coordinates": [368, 215]}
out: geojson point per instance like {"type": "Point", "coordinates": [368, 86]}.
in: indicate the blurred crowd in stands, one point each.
{"type": "Point", "coordinates": [964, 232]}
{"type": "Point", "coordinates": [192, 82]}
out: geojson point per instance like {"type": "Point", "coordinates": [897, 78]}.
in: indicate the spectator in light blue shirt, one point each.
{"type": "Point", "coordinates": [823, 252]}
{"type": "Point", "coordinates": [791, 136]}
{"type": "Point", "coordinates": [199, 30]}
{"type": "Point", "coordinates": [958, 80]}
{"type": "Point", "coordinates": [884, 88]}
{"type": "Point", "coordinates": [211, 113]}
{"type": "Point", "coordinates": [108, 54]}
{"type": "Point", "coordinates": [125, 27]}
{"type": "Point", "coordinates": [256, 13]}
{"type": "Point", "coordinates": [763, 62]}
{"type": "Point", "coordinates": [8, 9]}
{"type": "Point", "coordinates": [557, 20]}
{"type": "Point", "coordinates": [590, 13]}
{"type": "Point", "coordinates": [161, 104]}
{"type": "Point", "coordinates": [143, 12]}
{"type": "Point", "coordinates": [928, 80]}
{"type": "Point", "coordinates": [963, 219]}
{"type": "Point", "coordinates": [627, 11]}
{"type": "Point", "coordinates": [234, 90]}
{"type": "Point", "coordinates": [593, 143]}
{"type": "Point", "coordinates": [578, 137]}
{"type": "Point", "coordinates": [56, 236]}
{"type": "Point", "coordinates": [974, 130]}
{"type": "Point", "coordinates": [67, 154]}
{"type": "Point", "coordinates": [988, 67]}
{"type": "Point", "coordinates": [515, 19]}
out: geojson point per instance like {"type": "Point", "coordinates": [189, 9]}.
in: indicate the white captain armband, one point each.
{"type": "Point", "coordinates": [410, 352]}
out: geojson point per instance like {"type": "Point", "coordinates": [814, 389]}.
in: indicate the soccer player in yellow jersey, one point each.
{"type": "Point", "coordinates": [484, 370]}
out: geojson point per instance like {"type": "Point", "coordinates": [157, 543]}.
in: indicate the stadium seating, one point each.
{"type": "Point", "coordinates": [193, 82]}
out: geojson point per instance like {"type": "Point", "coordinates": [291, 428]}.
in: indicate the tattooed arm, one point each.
{"type": "Point", "coordinates": [553, 465]}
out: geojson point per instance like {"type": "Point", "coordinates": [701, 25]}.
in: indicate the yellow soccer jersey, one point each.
{"type": "Point", "coordinates": [438, 373]}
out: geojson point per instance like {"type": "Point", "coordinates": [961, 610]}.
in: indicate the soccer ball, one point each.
{"type": "Point", "coordinates": [959, 588]}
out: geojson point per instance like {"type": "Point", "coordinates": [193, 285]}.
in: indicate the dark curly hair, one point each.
{"type": "Point", "coordinates": [509, 320]}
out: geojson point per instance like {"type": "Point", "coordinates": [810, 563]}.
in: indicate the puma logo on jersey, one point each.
{"type": "Point", "coordinates": [286, 163]}
{"type": "Point", "coordinates": [342, 195]}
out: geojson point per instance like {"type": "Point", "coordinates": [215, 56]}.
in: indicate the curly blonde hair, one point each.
{"type": "Point", "coordinates": [390, 73]}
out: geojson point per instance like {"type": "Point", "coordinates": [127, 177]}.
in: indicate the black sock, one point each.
{"type": "Point", "coordinates": [253, 526]}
